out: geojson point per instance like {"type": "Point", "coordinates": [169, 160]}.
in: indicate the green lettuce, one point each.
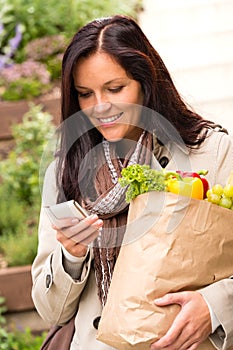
{"type": "Point", "coordinates": [141, 179]}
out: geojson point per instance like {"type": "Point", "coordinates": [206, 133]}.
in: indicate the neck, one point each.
{"type": "Point", "coordinates": [124, 146]}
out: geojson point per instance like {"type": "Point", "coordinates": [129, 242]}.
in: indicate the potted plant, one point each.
{"type": "Point", "coordinates": [19, 207]}
{"type": "Point", "coordinates": [15, 338]}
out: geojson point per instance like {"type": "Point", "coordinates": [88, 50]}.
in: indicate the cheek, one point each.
{"type": "Point", "coordinates": [133, 115]}
{"type": "Point", "coordinates": [82, 103]}
{"type": "Point", "coordinates": [137, 97]}
{"type": "Point", "coordinates": [91, 120]}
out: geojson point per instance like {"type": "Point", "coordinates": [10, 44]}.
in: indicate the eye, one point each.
{"type": "Point", "coordinates": [116, 89]}
{"type": "Point", "coordinates": [84, 94]}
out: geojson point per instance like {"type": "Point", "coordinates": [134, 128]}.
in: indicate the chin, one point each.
{"type": "Point", "coordinates": [113, 139]}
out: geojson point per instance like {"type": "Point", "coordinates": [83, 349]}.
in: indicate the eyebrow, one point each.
{"type": "Point", "coordinates": [107, 83]}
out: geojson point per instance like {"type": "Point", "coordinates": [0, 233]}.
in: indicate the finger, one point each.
{"type": "Point", "coordinates": [172, 298]}
{"type": "Point", "coordinates": [70, 245]}
{"type": "Point", "coordinates": [75, 248]}
{"type": "Point", "coordinates": [193, 335]}
{"type": "Point", "coordinates": [88, 231]}
{"type": "Point", "coordinates": [183, 341]}
{"type": "Point", "coordinates": [85, 223]}
{"type": "Point", "coordinates": [64, 223]}
{"type": "Point", "coordinates": [173, 333]}
{"type": "Point", "coordinates": [87, 241]}
{"type": "Point", "coordinates": [63, 239]}
{"type": "Point", "coordinates": [188, 345]}
{"type": "Point", "coordinates": [82, 225]}
{"type": "Point", "coordinates": [166, 341]}
{"type": "Point", "coordinates": [86, 236]}
{"type": "Point", "coordinates": [193, 346]}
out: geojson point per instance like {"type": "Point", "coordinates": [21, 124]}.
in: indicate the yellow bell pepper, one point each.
{"type": "Point", "coordinates": [187, 186]}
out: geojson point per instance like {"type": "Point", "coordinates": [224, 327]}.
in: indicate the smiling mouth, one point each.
{"type": "Point", "coordinates": [110, 120]}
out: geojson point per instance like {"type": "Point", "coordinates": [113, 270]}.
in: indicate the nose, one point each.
{"type": "Point", "coordinates": [102, 103]}
{"type": "Point", "coordinates": [101, 107]}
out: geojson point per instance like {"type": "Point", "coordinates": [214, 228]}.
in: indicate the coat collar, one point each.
{"type": "Point", "coordinates": [173, 155]}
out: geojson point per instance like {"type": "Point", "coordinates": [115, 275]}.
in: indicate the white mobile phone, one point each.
{"type": "Point", "coordinates": [69, 209]}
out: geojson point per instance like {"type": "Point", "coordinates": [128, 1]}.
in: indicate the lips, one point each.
{"type": "Point", "coordinates": [110, 120]}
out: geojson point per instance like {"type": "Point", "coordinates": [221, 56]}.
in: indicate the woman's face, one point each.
{"type": "Point", "coordinates": [108, 96]}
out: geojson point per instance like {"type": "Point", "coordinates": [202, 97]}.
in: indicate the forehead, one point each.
{"type": "Point", "coordinates": [98, 66]}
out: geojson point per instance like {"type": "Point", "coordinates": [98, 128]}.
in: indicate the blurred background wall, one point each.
{"type": "Point", "coordinates": [195, 40]}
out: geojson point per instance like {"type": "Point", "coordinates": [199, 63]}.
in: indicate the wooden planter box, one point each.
{"type": "Point", "coordinates": [15, 287]}
{"type": "Point", "coordinates": [13, 112]}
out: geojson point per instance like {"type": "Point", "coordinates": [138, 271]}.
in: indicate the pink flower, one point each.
{"type": "Point", "coordinates": [28, 69]}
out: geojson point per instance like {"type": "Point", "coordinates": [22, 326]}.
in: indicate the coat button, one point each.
{"type": "Point", "coordinates": [96, 322]}
{"type": "Point", "coordinates": [164, 162]}
{"type": "Point", "coordinates": [48, 281]}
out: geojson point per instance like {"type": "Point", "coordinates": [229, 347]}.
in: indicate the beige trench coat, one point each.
{"type": "Point", "coordinates": [60, 288]}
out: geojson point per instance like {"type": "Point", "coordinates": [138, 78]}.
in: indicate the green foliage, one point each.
{"type": "Point", "coordinates": [13, 248]}
{"type": "Point", "coordinates": [54, 66]}
{"type": "Point", "coordinates": [2, 310]}
{"type": "Point", "coordinates": [22, 341]}
{"type": "Point", "coordinates": [17, 340]}
{"type": "Point", "coordinates": [141, 179]}
{"type": "Point", "coordinates": [24, 81]}
{"type": "Point", "coordinates": [39, 18]}
{"type": "Point", "coordinates": [87, 10]}
{"type": "Point", "coordinates": [13, 214]}
{"type": "Point", "coordinates": [24, 89]}
{"type": "Point", "coordinates": [18, 229]}
{"type": "Point", "coordinates": [20, 171]}
{"type": "Point", "coordinates": [42, 48]}
{"type": "Point", "coordinates": [19, 188]}
{"type": "Point", "coordinates": [48, 50]}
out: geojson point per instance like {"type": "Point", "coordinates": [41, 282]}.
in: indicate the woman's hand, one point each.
{"type": "Point", "coordinates": [75, 234]}
{"type": "Point", "coordinates": [191, 326]}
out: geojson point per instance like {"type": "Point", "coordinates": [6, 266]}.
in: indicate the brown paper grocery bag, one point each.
{"type": "Point", "coordinates": [172, 243]}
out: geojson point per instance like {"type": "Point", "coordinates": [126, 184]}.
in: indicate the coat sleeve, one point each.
{"type": "Point", "coordinates": [219, 295]}
{"type": "Point", "coordinates": [224, 158]}
{"type": "Point", "coordinates": [55, 293]}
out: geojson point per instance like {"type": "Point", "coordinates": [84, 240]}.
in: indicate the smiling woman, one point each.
{"type": "Point", "coordinates": [119, 105]}
{"type": "Point", "coordinates": [104, 92]}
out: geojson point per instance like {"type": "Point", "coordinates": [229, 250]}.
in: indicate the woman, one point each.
{"type": "Point", "coordinates": [113, 77]}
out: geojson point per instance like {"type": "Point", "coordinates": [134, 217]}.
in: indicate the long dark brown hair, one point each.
{"type": "Point", "coordinates": [121, 38]}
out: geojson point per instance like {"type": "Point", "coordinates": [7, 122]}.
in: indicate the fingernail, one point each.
{"type": "Point", "coordinates": [75, 221]}
{"type": "Point", "coordinates": [158, 300]}
{"type": "Point", "coordinates": [99, 222]}
{"type": "Point", "coordinates": [94, 216]}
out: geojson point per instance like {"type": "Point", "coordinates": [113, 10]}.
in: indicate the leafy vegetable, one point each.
{"type": "Point", "coordinates": [141, 179]}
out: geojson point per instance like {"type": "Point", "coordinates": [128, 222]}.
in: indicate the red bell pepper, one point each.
{"type": "Point", "coordinates": [200, 174]}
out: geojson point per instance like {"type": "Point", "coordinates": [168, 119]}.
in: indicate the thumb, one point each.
{"type": "Point", "coordinates": [170, 298]}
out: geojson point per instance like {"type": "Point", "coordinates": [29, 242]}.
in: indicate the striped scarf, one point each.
{"type": "Point", "coordinates": [111, 206]}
